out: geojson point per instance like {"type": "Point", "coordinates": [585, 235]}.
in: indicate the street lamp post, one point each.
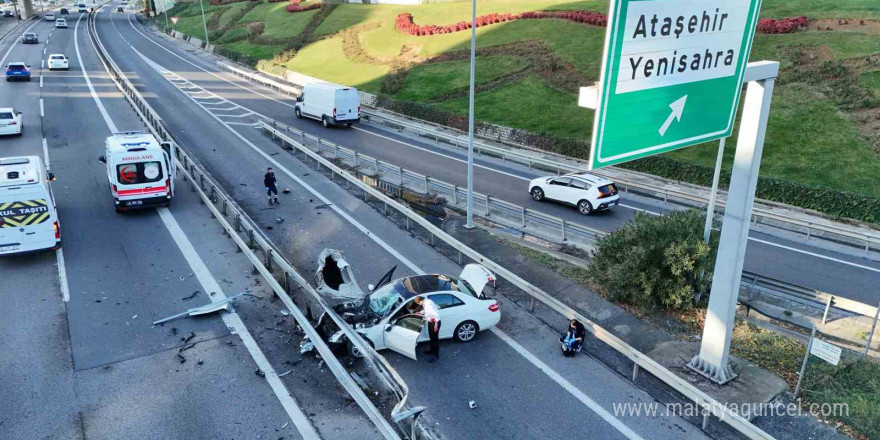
{"type": "Point", "coordinates": [469, 224]}
{"type": "Point", "coordinates": [204, 23]}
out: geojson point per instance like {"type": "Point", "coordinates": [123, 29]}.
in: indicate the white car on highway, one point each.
{"type": "Point", "coordinates": [58, 61]}
{"type": "Point", "coordinates": [49, 17]}
{"type": "Point", "coordinates": [61, 23]}
{"type": "Point", "coordinates": [587, 192]}
{"type": "Point", "coordinates": [10, 121]}
{"type": "Point", "coordinates": [387, 316]}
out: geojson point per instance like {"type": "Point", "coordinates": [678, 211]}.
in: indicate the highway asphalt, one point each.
{"type": "Point", "coordinates": [786, 257]}
{"type": "Point", "coordinates": [81, 358]}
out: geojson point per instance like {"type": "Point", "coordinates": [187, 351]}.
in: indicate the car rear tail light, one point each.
{"type": "Point", "coordinates": [114, 189]}
{"type": "Point", "coordinates": [334, 112]}
{"type": "Point", "coordinates": [57, 230]}
{"type": "Point", "coordinates": [13, 123]}
{"type": "Point", "coordinates": [494, 307]}
{"type": "Point", "coordinates": [359, 110]}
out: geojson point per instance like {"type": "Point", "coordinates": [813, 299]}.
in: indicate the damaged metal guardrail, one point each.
{"type": "Point", "coordinates": [809, 297]}
{"type": "Point", "coordinates": [248, 238]}
{"type": "Point", "coordinates": [640, 360]}
{"type": "Point", "coordinates": [398, 122]}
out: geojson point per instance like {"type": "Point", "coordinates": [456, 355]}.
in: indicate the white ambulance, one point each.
{"type": "Point", "coordinates": [28, 220]}
{"type": "Point", "coordinates": [140, 170]}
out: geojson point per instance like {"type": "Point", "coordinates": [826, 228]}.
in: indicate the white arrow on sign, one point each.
{"type": "Point", "coordinates": [677, 107]}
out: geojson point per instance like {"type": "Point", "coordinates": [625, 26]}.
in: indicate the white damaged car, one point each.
{"type": "Point", "coordinates": [387, 316]}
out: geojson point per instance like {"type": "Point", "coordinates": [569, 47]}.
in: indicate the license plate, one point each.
{"type": "Point", "coordinates": [8, 247]}
{"type": "Point", "coordinates": [134, 203]}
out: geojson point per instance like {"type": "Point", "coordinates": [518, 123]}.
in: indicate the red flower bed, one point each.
{"type": "Point", "coordinates": [404, 22]}
{"type": "Point", "coordinates": [295, 6]}
{"type": "Point", "coordinates": [784, 26]}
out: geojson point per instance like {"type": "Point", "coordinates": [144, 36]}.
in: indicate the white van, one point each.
{"type": "Point", "coordinates": [329, 103]}
{"type": "Point", "coordinates": [140, 170]}
{"type": "Point", "coordinates": [28, 220]}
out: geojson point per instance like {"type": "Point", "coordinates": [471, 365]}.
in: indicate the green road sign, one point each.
{"type": "Point", "coordinates": [671, 75]}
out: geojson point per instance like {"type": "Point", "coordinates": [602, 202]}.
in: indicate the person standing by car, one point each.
{"type": "Point", "coordinates": [432, 319]}
{"type": "Point", "coordinates": [269, 182]}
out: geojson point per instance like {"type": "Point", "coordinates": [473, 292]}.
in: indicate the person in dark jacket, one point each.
{"type": "Point", "coordinates": [573, 339]}
{"type": "Point", "coordinates": [269, 182]}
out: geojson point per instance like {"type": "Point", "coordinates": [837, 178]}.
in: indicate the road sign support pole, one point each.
{"type": "Point", "coordinates": [469, 223]}
{"type": "Point", "coordinates": [710, 210]}
{"type": "Point", "coordinates": [204, 23]}
{"type": "Point", "coordinates": [871, 334]}
{"type": "Point", "coordinates": [797, 388]}
{"type": "Point", "coordinates": [713, 359]}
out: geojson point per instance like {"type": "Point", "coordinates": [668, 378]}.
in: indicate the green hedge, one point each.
{"type": "Point", "coordinates": [823, 199]}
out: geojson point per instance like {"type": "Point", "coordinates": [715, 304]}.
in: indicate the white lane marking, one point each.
{"type": "Point", "coordinates": [801, 251]}
{"type": "Point", "coordinates": [62, 275]}
{"type": "Point", "coordinates": [42, 112]}
{"type": "Point", "coordinates": [41, 81]}
{"type": "Point", "coordinates": [44, 49]}
{"type": "Point", "coordinates": [201, 68]}
{"type": "Point", "coordinates": [46, 153]}
{"type": "Point", "coordinates": [233, 320]}
{"type": "Point", "coordinates": [567, 386]}
{"type": "Point", "coordinates": [573, 390]}
{"type": "Point", "coordinates": [82, 67]}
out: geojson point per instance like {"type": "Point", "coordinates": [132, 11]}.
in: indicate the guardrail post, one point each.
{"type": "Point", "coordinates": [706, 413]}
{"type": "Point", "coordinates": [487, 205]}
{"type": "Point", "coordinates": [532, 305]}
{"type": "Point", "coordinates": [376, 165]}
{"type": "Point", "coordinates": [355, 159]}
{"type": "Point", "coordinates": [454, 194]}
{"type": "Point", "coordinates": [827, 307]}
{"type": "Point", "coordinates": [335, 151]}
{"type": "Point", "coordinates": [400, 174]}
{"type": "Point", "coordinates": [563, 230]}
{"type": "Point", "coordinates": [431, 239]}
{"type": "Point", "coordinates": [426, 184]}
{"type": "Point", "coordinates": [635, 371]}
{"type": "Point", "coordinates": [459, 258]}
{"type": "Point", "coordinates": [269, 259]}
{"type": "Point", "coordinates": [523, 216]}
{"type": "Point", "coordinates": [250, 234]}
{"type": "Point", "coordinates": [237, 222]}
{"type": "Point", "coordinates": [407, 223]}
{"type": "Point", "coordinates": [223, 207]}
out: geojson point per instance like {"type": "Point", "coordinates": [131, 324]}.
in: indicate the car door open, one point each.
{"type": "Point", "coordinates": [402, 334]}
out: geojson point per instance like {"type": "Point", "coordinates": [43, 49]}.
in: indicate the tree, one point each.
{"type": "Point", "coordinates": [655, 261]}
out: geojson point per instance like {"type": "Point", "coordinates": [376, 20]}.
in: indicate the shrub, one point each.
{"type": "Point", "coordinates": [655, 261]}
{"type": "Point", "coordinates": [405, 23]}
{"type": "Point", "coordinates": [784, 26]}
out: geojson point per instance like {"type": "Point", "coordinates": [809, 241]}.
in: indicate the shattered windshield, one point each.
{"type": "Point", "coordinates": [390, 295]}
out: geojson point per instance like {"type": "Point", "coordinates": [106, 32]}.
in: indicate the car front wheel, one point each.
{"type": "Point", "coordinates": [584, 207]}
{"type": "Point", "coordinates": [356, 352]}
{"type": "Point", "coordinates": [298, 113]}
{"type": "Point", "coordinates": [466, 331]}
{"type": "Point", "coordinates": [537, 194]}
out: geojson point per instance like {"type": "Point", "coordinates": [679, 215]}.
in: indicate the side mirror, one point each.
{"type": "Point", "coordinates": [51, 177]}
{"type": "Point", "coordinates": [299, 98]}
{"type": "Point", "coordinates": [28, 66]}
{"type": "Point", "coordinates": [102, 159]}
{"type": "Point", "coordinates": [388, 327]}
{"type": "Point", "coordinates": [18, 113]}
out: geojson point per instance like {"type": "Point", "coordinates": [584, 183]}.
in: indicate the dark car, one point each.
{"type": "Point", "coordinates": [64, 11]}
{"type": "Point", "coordinates": [29, 38]}
{"type": "Point", "coordinates": [120, 9]}
{"type": "Point", "coordinates": [18, 70]}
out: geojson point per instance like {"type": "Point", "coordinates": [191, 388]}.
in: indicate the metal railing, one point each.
{"type": "Point", "coordinates": [806, 296]}
{"type": "Point", "coordinates": [639, 359]}
{"type": "Point", "coordinates": [485, 205]}
{"type": "Point", "coordinates": [248, 237]}
{"type": "Point", "coordinates": [559, 165]}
